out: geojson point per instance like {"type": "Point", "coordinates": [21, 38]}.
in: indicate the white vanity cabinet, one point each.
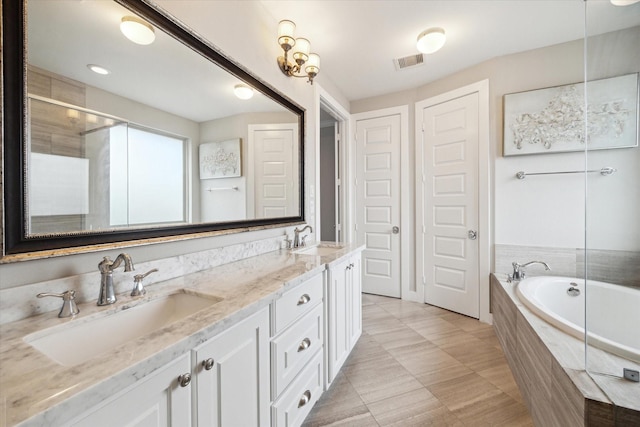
{"type": "Point", "coordinates": [231, 375]}
{"type": "Point", "coordinates": [297, 352]}
{"type": "Point", "coordinates": [158, 399]}
{"type": "Point", "coordinates": [344, 311]}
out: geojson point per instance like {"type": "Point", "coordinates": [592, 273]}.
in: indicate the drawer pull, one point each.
{"type": "Point", "coordinates": [305, 344]}
{"type": "Point", "coordinates": [184, 380]}
{"type": "Point", "coordinates": [208, 364]}
{"type": "Point", "coordinates": [304, 299]}
{"type": "Point", "coordinates": [306, 397]}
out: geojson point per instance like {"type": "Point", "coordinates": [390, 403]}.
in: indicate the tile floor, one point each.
{"type": "Point", "coordinates": [419, 365]}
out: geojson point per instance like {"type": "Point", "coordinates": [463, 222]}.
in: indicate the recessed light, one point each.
{"type": "Point", "coordinates": [137, 30]}
{"type": "Point", "coordinates": [98, 69]}
{"type": "Point", "coordinates": [243, 91]}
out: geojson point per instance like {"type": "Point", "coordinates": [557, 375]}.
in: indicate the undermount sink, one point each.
{"type": "Point", "coordinates": [318, 250]}
{"type": "Point", "coordinates": [83, 339]}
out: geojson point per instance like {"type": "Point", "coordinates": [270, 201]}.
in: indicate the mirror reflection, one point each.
{"type": "Point", "coordinates": [131, 134]}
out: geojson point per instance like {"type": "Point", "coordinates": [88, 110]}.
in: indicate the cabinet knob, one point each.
{"type": "Point", "coordinates": [208, 364]}
{"type": "Point", "coordinates": [306, 397]}
{"type": "Point", "coordinates": [305, 344]}
{"type": "Point", "coordinates": [304, 299]}
{"type": "Point", "coordinates": [184, 380]}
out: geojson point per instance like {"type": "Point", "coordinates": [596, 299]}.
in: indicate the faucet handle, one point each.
{"type": "Point", "coordinates": [138, 287]}
{"type": "Point", "coordinates": [69, 307]}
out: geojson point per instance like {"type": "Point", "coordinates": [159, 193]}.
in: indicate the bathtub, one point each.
{"type": "Point", "coordinates": [561, 302]}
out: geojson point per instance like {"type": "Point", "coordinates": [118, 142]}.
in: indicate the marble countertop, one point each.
{"type": "Point", "coordinates": [35, 390]}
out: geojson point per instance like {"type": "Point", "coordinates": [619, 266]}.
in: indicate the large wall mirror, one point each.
{"type": "Point", "coordinates": [108, 139]}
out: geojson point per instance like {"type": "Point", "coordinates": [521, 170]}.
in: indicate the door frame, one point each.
{"type": "Point", "coordinates": [484, 185]}
{"type": "Point", "coordinates": [345, 154]}
{"type": "Point", "coordinates": [407, 217]}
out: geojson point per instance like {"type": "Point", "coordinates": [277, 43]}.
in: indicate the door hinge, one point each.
{"type": "Point", "coordinates": [424, 280]}
{"type": "Point", "coordinates": [356, 227]}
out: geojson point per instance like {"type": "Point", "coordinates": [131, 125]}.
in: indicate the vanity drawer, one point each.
{"type": "Point", "coordinates": [296, 303]}
{"type": "Point", "coordinates": [292, 350]}
{"type": "Point", "coordinates": [297, 401]}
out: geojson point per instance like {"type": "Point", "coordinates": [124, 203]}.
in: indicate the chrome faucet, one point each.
{"type": "Point", "coordinates": [297, 242]}
{"type": "Point", "coordinates": [518, 272]}
{"type": "Point", "coordinates": [69, 307]}
{"type": "Point", "coordinates": [106, 267]}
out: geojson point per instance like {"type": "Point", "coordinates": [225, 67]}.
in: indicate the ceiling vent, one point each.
{"type": "Point", "coordinates": [408, 61]}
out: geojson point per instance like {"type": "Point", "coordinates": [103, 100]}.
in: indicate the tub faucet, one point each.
{"type": "Point", "coordinates": [106, 267]}
{"type": "Point", "coordinates": [297, 242]}
{"type": "Point", "coordinates": [518, 272]}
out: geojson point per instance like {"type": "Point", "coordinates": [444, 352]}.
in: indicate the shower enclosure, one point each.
{"type": "Point", "coordinates": [612, 205]}
{"type": "Point", "coordinates": [93, 171]}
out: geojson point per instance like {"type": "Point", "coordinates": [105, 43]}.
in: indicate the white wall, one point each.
{"type": "Point", "coordinates": [549, 210]}
{"type": "Point", "coordinates": [247, 33]}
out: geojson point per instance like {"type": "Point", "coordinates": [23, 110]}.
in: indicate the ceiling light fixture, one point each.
{"type": "Point", "coordinates": [137, 30]}
{"type": "Point", "coordinates": [301, 55]}
{"type": "Point", "coordinates": [243, 91]}
{"type": "Point", "coordinates": [98, 69]}
{"type": "Point", "coordinates": [72, 116]}
{"type": "Point", "coordinates": [431, 40]}
{"type": "Point", "coordinates": [623, 2]}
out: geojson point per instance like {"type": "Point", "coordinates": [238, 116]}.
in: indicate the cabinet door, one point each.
{"type": "Point", "coordinates": [339, 313]}
{"type": "Point", "coordinates": [234, 391]}
{"type": "Point", "coordinates": [355, 303]}
{"type": "Point", "coordinates": [156, 400]}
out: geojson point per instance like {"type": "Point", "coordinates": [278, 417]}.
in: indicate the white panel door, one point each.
{"type": "Point", "coordinates": [378, 203]}
{"type": "Point", "coordinates": [449, 205]}
{"type": "Point", "coordinates": [275, 168]}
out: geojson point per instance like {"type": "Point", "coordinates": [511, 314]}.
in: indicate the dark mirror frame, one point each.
{"type": "Point", "coordinates": [14, 122]}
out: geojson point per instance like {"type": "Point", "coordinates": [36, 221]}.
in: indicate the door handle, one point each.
{"type": "Point", "coordinates": [472, 234]}
{"type": "Point", "coordinates": [395, 229]}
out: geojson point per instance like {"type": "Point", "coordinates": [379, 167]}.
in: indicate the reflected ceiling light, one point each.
{"type": "Point", "coordinates": [137, 30]}
{"type": "Point", "coordinates": [306, 65]}
{"type": "Point", "coordinates": [431, 40]}
{"type": "Point", "coordinates": [243, 91]}
{"type": "Point", "coordinates": [623, 2]}
{"type": "Point", "coordinates": [73, 115]}
{"type": "Point", "coordinates": [98, 69]}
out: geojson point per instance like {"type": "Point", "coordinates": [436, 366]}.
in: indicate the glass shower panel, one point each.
{"type": "Point", "coordinates": [611, 260]}
{"type": "Point", "coordinates": [69, 167]}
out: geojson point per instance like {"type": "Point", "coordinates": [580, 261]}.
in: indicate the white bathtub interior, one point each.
{"type": "Point", "coordinates": [561, 302]}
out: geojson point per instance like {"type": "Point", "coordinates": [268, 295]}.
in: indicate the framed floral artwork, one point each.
{"type": "Point", "coordinates": [220, 159]}
{"type": "Point", "coordinates": [552, 120]}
